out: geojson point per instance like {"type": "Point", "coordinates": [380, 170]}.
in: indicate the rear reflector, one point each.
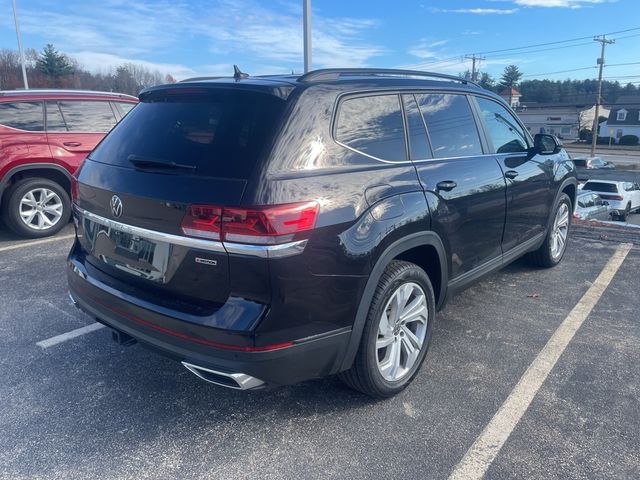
{"type": "Point", "coordinates": [267, 225]}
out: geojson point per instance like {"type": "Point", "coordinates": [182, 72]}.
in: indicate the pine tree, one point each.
{"type": "Point", "coordinates": [511, 76]}
{"type": "Point", "coordinates": [54, 65]}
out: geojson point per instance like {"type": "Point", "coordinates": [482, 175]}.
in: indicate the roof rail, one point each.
{"type": "Point", "coordinates": [326, 74]}
{"type": "Point", "coordinates": [40, 91]}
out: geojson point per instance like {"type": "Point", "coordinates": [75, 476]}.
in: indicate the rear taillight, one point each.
{"type": "Point", "coordinates": [268, 225]}
{"type": "Point", "coordinates": [203, 221]}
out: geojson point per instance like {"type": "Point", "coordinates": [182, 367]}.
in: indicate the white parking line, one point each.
{"type": "Point", "coordinates": [35, 242]}
{"type": "Point", "coordinates": [484, 450]}
{"type": "Point", "coordinates": [50, 342]}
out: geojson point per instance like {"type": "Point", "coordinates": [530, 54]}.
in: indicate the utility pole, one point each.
{"type": "Point", "coordinates": [474, 72]}
{"type": "Point", "coordinates": [306, 13]}
{"type": "Point", "coordinates": [24, 70]}
{"type": "Point", "coordinates": [594, 131]}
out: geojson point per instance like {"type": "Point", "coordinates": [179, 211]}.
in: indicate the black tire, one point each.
{"type": "Point", "coordinates": [364, 375]}
{"type": "Point", "coordinates": [11, 207]}
{"type": "Point", "coordinates": [543, 257]}
{"type": "Point", "coordinates": [624, 215]}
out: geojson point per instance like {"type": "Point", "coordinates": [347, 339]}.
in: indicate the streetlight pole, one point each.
{"type": "Point", "coordinates": [24, 69]}
{"type": "Point", "coordinates": [306, 13]}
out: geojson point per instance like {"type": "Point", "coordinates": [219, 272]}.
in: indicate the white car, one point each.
{"type": "Point", "coordinates": [624, 197]}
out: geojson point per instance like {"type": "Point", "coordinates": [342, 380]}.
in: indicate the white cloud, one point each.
{"type": "Point", "coordinates": [272, 35]}
{"type": "Point", "coordinates": [556, 3]}
{"type": "Point", "coordinates": [425, 49]}
{"type": "Point", "coordinates": [477, 11]}
{"type": "Point", "coordinates": [249, 32]}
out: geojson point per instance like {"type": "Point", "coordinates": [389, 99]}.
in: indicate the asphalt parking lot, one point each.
{"type": "Point", "coordinates": [88, 408]}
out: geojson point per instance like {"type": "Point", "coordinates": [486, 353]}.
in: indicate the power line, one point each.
{"type": "Point", "coordinates": [559, 71]}
{"type": "Point", "coordinates": [460, 58]}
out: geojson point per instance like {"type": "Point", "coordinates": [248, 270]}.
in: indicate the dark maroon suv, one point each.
{"type": "Point", "coordinates": [44, 136]}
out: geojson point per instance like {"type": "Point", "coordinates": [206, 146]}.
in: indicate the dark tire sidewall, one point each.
{"type": "Point", "coordinates": [11, 207]}
{"type": "Point", "coordinates": [414, 274]}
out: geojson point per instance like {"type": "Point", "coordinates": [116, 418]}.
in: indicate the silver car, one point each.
{"type": "Point", "coordinates": [590, 206]}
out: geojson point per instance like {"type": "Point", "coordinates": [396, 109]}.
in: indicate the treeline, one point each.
{"type": "Point", "coordinates": [52, 69]}
{"type": "Point", "coordinates": [555, 91]}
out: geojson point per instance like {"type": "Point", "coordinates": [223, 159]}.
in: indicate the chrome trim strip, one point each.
{"type": "Point", "coordinates": [244, 381]}
{"type": "Point", "coordinates": [210, 245]}
{"type": "Point", "coordinates": [267, 251]}
{"type": "Point", "coordinates": [262, 251]}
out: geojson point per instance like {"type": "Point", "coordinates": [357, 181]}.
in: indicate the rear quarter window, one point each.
{"type": "Point", "coordinates": [27, 116]}
{"type": "Point", "coordinates": [373, 126]}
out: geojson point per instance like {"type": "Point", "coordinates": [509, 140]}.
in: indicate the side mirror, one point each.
{"type": "Point", "coordinates": [545, 144]}
{"type": "Point", "coordinates": [605, 203]}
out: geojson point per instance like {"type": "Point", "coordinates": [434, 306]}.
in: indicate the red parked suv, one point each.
{"type": "Point", "coordinates": [44, 136]}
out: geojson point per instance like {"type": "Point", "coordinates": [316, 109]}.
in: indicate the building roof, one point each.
{"type": "Point", "coordinates": [628, 101]}
{"type": "Point", "coordinates": [511, 92]}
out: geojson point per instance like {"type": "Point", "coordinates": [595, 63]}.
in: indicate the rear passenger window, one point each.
{"type": "Point", "coordinates": [503, 130]}
{"type": "Point", "coordinates": [418, 141]}
{"type": "Point", "coordinates": [87, 116]}
{"type": "Point", "coordinates": [22, 115]}
{"type": "Point", "coordinates": [373, 126]}
{"type": "Point", "coordinates": [452, 129]}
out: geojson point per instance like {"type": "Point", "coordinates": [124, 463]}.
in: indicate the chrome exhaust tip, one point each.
{"type": "Point", "coordinates": [237, 381]}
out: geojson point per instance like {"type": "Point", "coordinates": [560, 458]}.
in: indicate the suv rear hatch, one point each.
{"type": "Point", "coordinates": [179, 147]}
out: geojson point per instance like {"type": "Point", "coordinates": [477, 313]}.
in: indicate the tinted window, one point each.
{"type": "Point", "coordinates": [55, 120]}
{"type": "Point", "coordinates": [580, 162]}
{"type": "Point", "coordinates": [221, 133]}
{"type": "Point", "coordinates": [601, 187]}
{"type": "Point", "coordinates": [87, 116]}
{"type": "Point", "coordinates": [418, 142]}
{"type": "Point", "coordinates": [503, 130]}
{"type": "Point", "coordinates": [372, 125]}
{"type": "Point", "coordinates": [22, 115]}
{"type": "Point", "coordinates": [452, 129]}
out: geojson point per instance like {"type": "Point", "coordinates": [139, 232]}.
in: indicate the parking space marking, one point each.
{"type": "Point", "coordinates": [484, 450]}
{"type": "Point", "coordinates": [35, 242]}
{"type": "Point", "coordinates": [50, 342]}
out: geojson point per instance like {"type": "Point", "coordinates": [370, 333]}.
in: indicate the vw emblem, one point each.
{"type": "Point", "coordinates": [116, 206]}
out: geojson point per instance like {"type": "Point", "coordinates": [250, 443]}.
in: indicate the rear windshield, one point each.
{"type": "Point", "coordinates": [601, 187]}
{"type": "Point", "coordinates": [220, 133]}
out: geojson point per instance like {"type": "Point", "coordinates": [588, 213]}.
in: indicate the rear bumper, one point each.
{"type": "Point", "coordinates": [211, 348]}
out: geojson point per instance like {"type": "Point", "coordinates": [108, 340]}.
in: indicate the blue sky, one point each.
{"type": "Point", "coordinates": [195, 37]}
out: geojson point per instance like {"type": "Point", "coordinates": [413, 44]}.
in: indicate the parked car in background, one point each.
{"type": "Point", "coordinates": [590, 206]}
{"type": "Point", "coordinates": [44, 136]}
{"type": "Point", "coordinates": [624, 197]}
{"type": "Point", "coordinates": [270, 230]}
{"type": "Point", "coordinates": [592, 163]}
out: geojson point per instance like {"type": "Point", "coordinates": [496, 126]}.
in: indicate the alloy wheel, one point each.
{"type": "Point", "coordinates": [40, 208]}
{"type": "Point", "coordinates": [560, 231]}
{"type": "Point", "coordinates": [401, 331]}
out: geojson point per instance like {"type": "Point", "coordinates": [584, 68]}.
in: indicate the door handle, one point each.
{"type": "Point", "coordinates": [446, 185]}
{"type": "Point", "coordinates": [511, 174]}
{"type": "Point", "coordinates": [71, 144]}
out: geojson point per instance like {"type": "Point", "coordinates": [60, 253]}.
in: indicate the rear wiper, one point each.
{"type": "Point", "coordinates": [152, 163]}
